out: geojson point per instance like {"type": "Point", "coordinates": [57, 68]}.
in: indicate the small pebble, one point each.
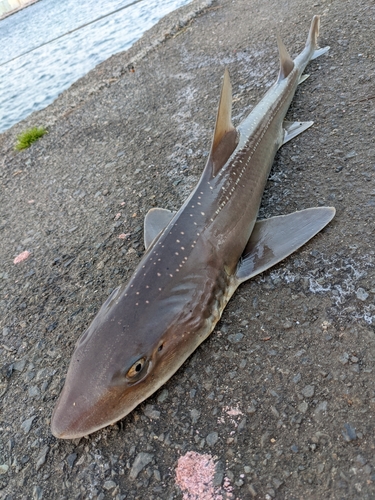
{"type": "Point", "coordinates": [157, 475]}
{"type": "Point", "coordinates": [361, 460]}
{"type": "Point", "coordinates": [219, 474]}
{"type": "Point", "coordinates": [303, 407]}
{"type": "Point", "coordinates": [19, 365]}
{"type": "Point", "coordinates": [287, 325]}
{"type": "Point", "coordinates": [195, 414]}
{"type": "Point", "coordinates": [26, 424]}
{"type": "Point", "coordinates": [277, 483]}
{"type": "Point", "coordinates": [367, 469]}
{"type": "Point", "coordinates": [109, 485]}
{"type": "Point", "coordinates": [4, 468]}
{"type": "Point", "coordinates": [151, 413]}
{"type": "Point", "coordinates": [71, 459]}
{"type": "Point", "coordinates": [252, 490]}
{"type": "Point", "coordinates": [349, 433]}
{"type": "Point", "coordinates": [322, 407]}
{"type": "Point", "coordinates": [344, 359]}
{"type": "Point", "coordinates": [212, 438]}
{"type": "Point", "coordinates": [362, 294]}
{"type": "Point", "coordinates": [235, 338]}
{"type": "Point", "coordinates": [33, 391]}
{"type": "Point", "coordinates": [308, 391]}
{"type": "Point", "coordinates": [162, 396]}
{"type": "Point", "coordinates": [37, 493]}
{"type": "Point", "coordinates": [41, 460]}
{"type": "Point", "coordinates": [265, 439]}
{"type": "Point", "coordinates": [141, 460]}
{"type": "Point", "coordinates": [241, 425]}
{"type": "Point", "coordinates": [251, 409]}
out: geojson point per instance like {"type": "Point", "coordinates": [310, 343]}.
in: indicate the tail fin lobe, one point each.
{"type": "Point", "coordinates": [311, 41]}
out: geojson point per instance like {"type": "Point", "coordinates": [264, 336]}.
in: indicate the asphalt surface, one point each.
{"type": "Point", "coordinates": [281, 397]}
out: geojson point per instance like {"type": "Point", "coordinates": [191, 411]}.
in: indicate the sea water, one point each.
{"type": "Point", "coordinates": [34, 70]}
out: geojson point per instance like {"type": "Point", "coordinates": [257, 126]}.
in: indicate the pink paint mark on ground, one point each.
{"type": "Point", "coordinates": [234, 412]}
{"type": "Point", "coordinates": [21, 257]}
{"type": "Point", "coordinates": [195, 476]}
{"type": "Point", "coordinates": [123, 236]}
{"type": "Point", "coordinates": [228, 488]}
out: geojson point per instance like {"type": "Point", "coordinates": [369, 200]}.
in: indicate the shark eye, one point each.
{"type": "Point", "coordinates": [136, 369]}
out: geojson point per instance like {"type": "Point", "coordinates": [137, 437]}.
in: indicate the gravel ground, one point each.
{"type": "Point", "coordinates": [280, 400]}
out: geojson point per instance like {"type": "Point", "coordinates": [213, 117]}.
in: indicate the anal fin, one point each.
{"type": "Point", "coordinates": [272, 240]}
{"type": "Point", "coordinates": [292, 129]}
{"type": "Point", "coordinates": [303, 78]}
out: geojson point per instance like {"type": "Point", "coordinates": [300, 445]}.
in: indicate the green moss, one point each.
{"type": "Point", "coordinates": [25, 139]}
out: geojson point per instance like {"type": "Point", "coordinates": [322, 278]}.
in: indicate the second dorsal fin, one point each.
{"type": "Point", "coordinates": [225, 135]}
{"type": "Point", "coordinates": [156, 220]}
{"type": "Point", "coordinates": [286, 62]}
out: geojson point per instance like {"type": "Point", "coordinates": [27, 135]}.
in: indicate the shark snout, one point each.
{"type": "Point", "coordinates": [78, 414]}
{"type": "Point", "coordinates": [69, 418]}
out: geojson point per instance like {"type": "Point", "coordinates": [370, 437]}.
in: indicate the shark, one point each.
{"type": "Point", "coordinates": [195, 259]}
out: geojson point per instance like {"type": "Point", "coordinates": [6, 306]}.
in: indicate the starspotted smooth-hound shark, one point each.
{"type": "Point", "coordinates": [194, 261]}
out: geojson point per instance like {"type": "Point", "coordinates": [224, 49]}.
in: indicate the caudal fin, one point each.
{"type": "Point", "coordinates": [311, 42]}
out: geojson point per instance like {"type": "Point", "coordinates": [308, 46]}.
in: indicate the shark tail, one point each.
{"type": "Point", "coordinates": [312, 39]}
{"type": "Point", "coordinates": [311, 51]}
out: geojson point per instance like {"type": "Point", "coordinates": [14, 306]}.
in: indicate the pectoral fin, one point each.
{"type": "Point", "coordinates": [156, 220]}
{"type": "Point", "coordinates": [274, 239]}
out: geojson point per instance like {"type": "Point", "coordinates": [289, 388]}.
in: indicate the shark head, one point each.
{"type": "Point", "coordinates": [124, 356]}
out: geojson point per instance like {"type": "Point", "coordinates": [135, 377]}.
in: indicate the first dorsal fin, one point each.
{"type": "Point", "coordinates": [286, 62]}
{"type": "Point", "coordinates": [225, 136]}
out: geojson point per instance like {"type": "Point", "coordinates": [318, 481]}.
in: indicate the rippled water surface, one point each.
{"type": "Point", "coordinates": [35, 79]}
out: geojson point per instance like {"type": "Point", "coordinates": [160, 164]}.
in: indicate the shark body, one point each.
{"type": "Point", "coordinates": [195, 260]}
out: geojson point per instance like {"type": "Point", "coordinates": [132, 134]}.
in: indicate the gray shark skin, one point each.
{"type": "Point", "coordinates": [195, 260]}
